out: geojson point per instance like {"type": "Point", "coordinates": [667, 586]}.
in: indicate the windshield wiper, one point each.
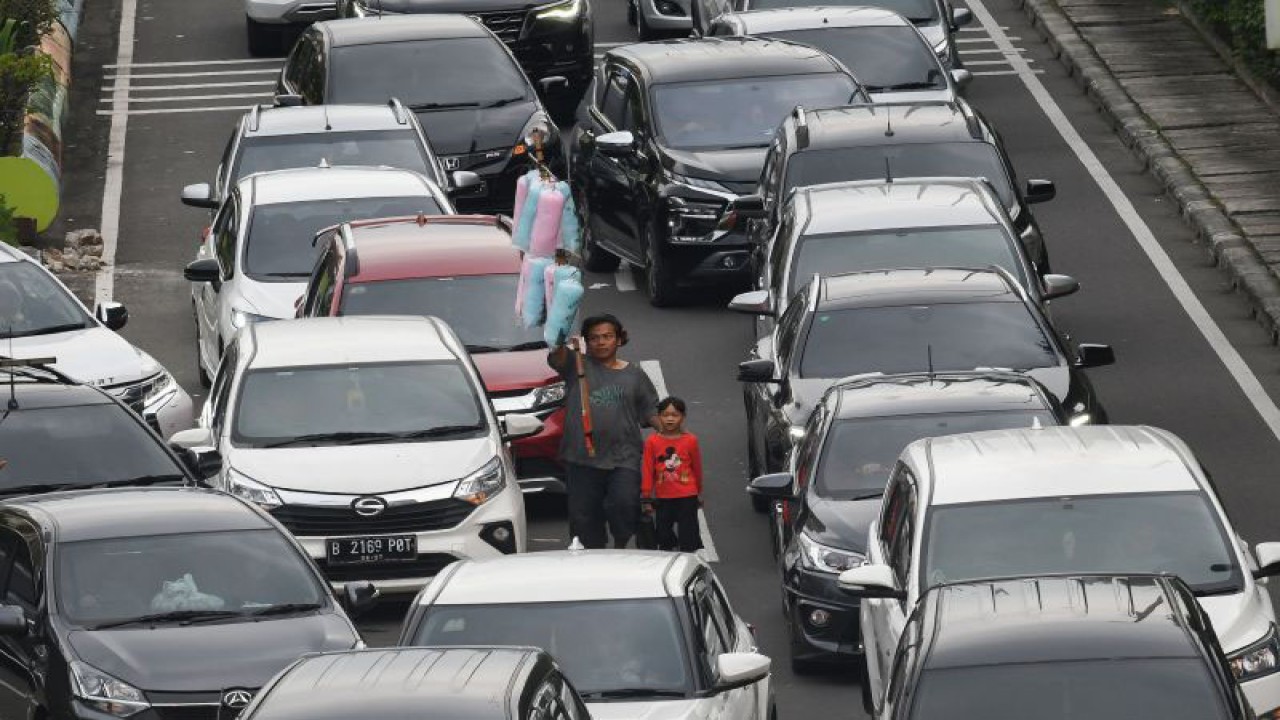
{"type": "Point", "coordinates": [630, 693]}
{"type": "Point", "coordinates": [865, 495]}
{"type": "Point", "coordinates": [64, 327]}
{"type": "Point", "coordinates": [531, 345]}
{"type": "Point", "coordinates": [442, 106]}
{"type": "Point", "coordinates": [286, 274]}
{"type": "Point", "coordinates": [503, 102]}
{"type": "Point", "coordinates": [339, 437]}
{"type": "Point", "coordinates": [743, 146]}
{"type": "Point", "coordinates": [184, 616]}
{"type": "Point", "coordinates": [440, 431]}
{"type": "Point", "coordinates": [477, 349]}
{"type": "Point", "coordinates": [55, 487]}
{"type": "Point", "coordinates": [38, 488]}
{"type": "Point", "coordinates": [284, 609]}
{"type": "Point", "coordinates": [917, 85]}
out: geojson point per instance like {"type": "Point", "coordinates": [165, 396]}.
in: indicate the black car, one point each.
{"type": "Point", "coordinates": [673, 131]}
{"type": "Point", "coordinates": [549, 38]}
{"type": "Point", "coordinates": [919, 139]}
{"type": "Point", "coordinates": [1060, 648]}
{"type": "Point", "coordinates": [58, 434]}
{"type": "Point", "coordinates": [153, 603]}
{"type": "Point", "coordinates": [897, 321]}
{"type": "Point", "coordinates": [461, 81]}
{"type": "Point", "coordinates": [457, 683]}
{"type": "Point", "coordinates": [831, 491]}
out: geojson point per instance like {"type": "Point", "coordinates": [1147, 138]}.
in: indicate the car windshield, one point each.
{"type": "Point", "coordinates": [917, 11]}
{"type": "Point", "coordinates": [911, 338]}
{"type": "Point", "coordinates": [601, 645]}
{"type": "Point", "coordinates": [477, 307]}
{"type": "Point", "coordinates": [960, 159]}
{"type": "Point", "coordinates": [110, 446]}
{"type": "Point", "coordinates": [1102, 689]}
{"type": "Point", "coordinates": [884, 59]}
{"type": "Point", "coordinates": [280, 244]}
{"type": "Point", "coordinates": [1178, 533]}
{"type": "Point", "coordinates": [742, 113]}
{"type": "Point", "coordinates": [412, 72]}
{"type": "Point", "coordinates": [339, 403]}
{"type": "Point", "coordinates": [32, 303]}
{"type": "Point", "coordinates": [972, 246]}
{"type": "Point", "coordinates": [237, 572]}
{"type": "Point", "coordinates": [393, 148]}
{"type": "Point", "coordinates": [858, 454]}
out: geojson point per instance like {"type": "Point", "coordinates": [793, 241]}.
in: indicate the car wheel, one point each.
{"type": "Point", "coordinates": [263, 39]}
{"type": "Point", "coordinates": [595, 258]}
{"type": "Point", "coordinates": [658, 275]}
{"type": "Point", "coordinates": [201, 374]}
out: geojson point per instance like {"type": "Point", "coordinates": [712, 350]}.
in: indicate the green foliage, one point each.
{"type": "Point", "coordinates": [8, 228]}
{"type": "Point", "coordinates": [21, 69]}
{"type": "Point", "coordinates": [1242, 25]}
{"type": "Point", "coordinates": [35, 18]}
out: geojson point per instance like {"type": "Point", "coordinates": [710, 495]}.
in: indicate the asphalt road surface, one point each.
{"type": "Point", "coordinates": [190, 72]}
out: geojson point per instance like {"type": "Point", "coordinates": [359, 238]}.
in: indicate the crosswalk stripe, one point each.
{"type": "Point", "coordinates": [218, 73]}
{"type": "Point", "coordinates": [197, 86]}
{"type": "Point", "coordinates": [179, 63]}
{"type": "Point", "coordinates": [183, 98]}
{"type": "Point", "coordinates": [162, 111]}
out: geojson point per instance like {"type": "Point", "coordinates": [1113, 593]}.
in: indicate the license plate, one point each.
{"type": "Point", "coordinates": [357, 550]}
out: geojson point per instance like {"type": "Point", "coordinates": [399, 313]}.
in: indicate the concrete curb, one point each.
{"type": "Point", "coordinates": [1228, 247]}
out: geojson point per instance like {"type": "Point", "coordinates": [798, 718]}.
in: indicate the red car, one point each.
{"type": "Point", "coordinates": [464, 270]}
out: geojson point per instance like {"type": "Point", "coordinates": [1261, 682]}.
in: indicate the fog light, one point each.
{"type": "Point", "coordinates": [730, 262]}
{"type": "Point", "coordinates": [819, 617]}
{"type": "Point", "coordinates": [502, 534]}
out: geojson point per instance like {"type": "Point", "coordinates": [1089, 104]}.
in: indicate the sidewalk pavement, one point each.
{"type": "Point", "coordinates": [1208, 132]}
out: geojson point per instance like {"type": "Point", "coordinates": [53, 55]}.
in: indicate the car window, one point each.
{"type": "Point", "coordinates": [220, 393]}
{"type": "Point", "coordinates": [779, 247]}
{"type": "Point", "coordinates": [226, 229]}
{"type": "Point", "coordinates": [33, 303]}
{"type": "Point", "coordinates": [807, 452]}
{"type": "Point", "coordinates": [725, 618]}
{"type": "Point", "coordinates": [902, 544]}
{"type": "Point", "coordinates": [891, 512]}
{"type": "Point", "coordinates": [21, 589]}
{"type": "Point", "coordinates": [7, 540]}
{"type": "Point", "coordinates": [884, 59]}
{"type": "Point", "coordinates": [709, 630]}
{"type": "Point", "coordinates": [614, 104]}
{"type": "Point", "coordinates": [789, 327]}
{"type": "Point", "coordinates": [392, 148]}
{"type": "Point", "coordinates": [301, 61]}
{"type": "Point", "coordinates": [322, 280]}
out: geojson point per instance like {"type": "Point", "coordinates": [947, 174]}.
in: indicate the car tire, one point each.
{"type": "Point", "coordinates": [658, 279]}
{"type": "Point", "coordinates": [263, 39]}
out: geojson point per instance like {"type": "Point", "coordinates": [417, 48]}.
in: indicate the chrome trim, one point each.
{"type": "Point", "coordinates": [441, 491]}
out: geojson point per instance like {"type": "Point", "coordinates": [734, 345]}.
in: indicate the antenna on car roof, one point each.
{"type": "Point", "coordinates": [929, 352]}
{"type": "Point", "coordinates": [327, 125]}
{"type": "Point", "coordinates": [888, 122]}
{"type": "Point", "coordinates": [888, 171]}
{"type": "Point", "coordinates": [12, 362]}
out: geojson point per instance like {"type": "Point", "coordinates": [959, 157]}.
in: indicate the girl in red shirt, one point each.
{"type": "Point", "coordinates": [671, 483]}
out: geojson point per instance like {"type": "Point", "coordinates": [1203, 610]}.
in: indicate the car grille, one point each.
{"type": "Point", "coordinates": [506, 25]}
{"type": "Point", "coordinates": [425, 566]}
{"type": "Point", "coordinates": [187, 712]}
{"type": "Point", "coordinates": [313, 521]}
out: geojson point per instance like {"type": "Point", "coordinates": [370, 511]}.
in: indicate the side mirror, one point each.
{"type": "Point", "coordinates": [961, 78]}
{"type": "Point", "coordinates": [775, 486]}
{"type": "Point", "coordinates": [464, 182]}
{"type": "Point", "coordinates": [199, 195]}
{"type": "Point", "coordinates": [616, 144]}
{"type": "Point", "coordinates": [961, 17]}
{"type": "Point", "coordinates": [871, 581]}
{"type": "Point", "coordinates": [757, 371]}
{"type": "Point", "coordinates": [202, 460]}
{"type": "Point", "coordinates": [196, 437]}
{"type": "Point", "coordinates": [1091, 355]}
{"type": "Point", "coordinates": [756, 302]}
{"type": "Point", "coordinates": [288, 100]}
{"type": "Point", "coordinates": [1268, 559]}
{"type": "Point", "coordinates": [1056, 286]}
{"type": "Point", "coordinates": [358, 597]}
{"type": "Point", "coordinates": [519, 425]}
{"type": "Point", "coordinates": [203, 270]}
{"type": "Point", "coordinates": [1039, 191]}
{"type": "Point", "coordinates": [736, 669]}
{"type": "Point", "coordinates": [553, 82]}
{"type": "Point", "coordinates": [13, 620]}
{"type": "Point", "coordinates": [112, 314]}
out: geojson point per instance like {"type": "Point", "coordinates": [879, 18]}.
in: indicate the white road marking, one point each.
{"type": "Point", "coordinates": [981, 29]}
{"type": "Point", "coordinates": [989, 51]}
{"type": "Point", "coordinates": [1006, 61]}
{"type": "Point", "coordinates": [124, 73]}
{"type": "Point", "coordinates": [1204, 322]}
{"type": "Point", "coordinates": [113, 186]}
{"type": "Point", "coordinates": [975, 41]}
{"type": "Point", "coordinates": [181, 98]}
{"type": "Point", "coordinates": [653, 369]}
{"type": "Point", "coordinates": [162, 111]}
{"type": "Point", "coordinates": [1001, 72]}
{"type": "Point", "coordinates": [624, 279]}
{"type": "Point", "coordinates": [615, 44]}
{"type": "Point", "coordinates": [180, 63]}
{"type": "Point", "coordinates": [201, 86]}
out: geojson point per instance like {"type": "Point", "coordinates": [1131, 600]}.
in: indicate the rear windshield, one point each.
{"type": "Point", "coordinates": [884, 59]}
{"type": "Point", "coordinates": [958, 159]}
{"type": "Point", "coordinates": [917, 11]}
{"type": "Point", "coordinates": [393, 148]}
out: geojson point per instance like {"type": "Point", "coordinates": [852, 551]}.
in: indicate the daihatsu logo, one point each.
{"type": "Point", "coordinates": [369, 506]}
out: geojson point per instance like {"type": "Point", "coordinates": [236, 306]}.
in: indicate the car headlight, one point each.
{"type": "Point", "coordinates": [561, 11]}
{"type": "Point", "coordinates": [548, 395]}
{"type": "Point", "coordinates": [826, 559]}
{"type": "Point", "coordinates": [157, 386]}
{"type": "Point", "coordinates": [796, 433]}
{"type": "Point", "coordinates": [481, 485]}
{"type": "Point", "coordinates": [1261, 658]}
{"type": "Point", "coordinates": [105, 693]}
{"type": "Point", "coordinates": [240, 318]}
{"type": "Point", "coordinates": [242, 487]}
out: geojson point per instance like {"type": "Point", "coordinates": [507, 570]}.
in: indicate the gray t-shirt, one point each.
{"type": "Point", "coordinates": [622, 401]}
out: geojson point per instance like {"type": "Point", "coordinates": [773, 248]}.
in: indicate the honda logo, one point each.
{"type": "Point", "coordinates": [236, 699]}
{"type": "Point", "coordinates": [369, 506]}
{"type": "Point", "coordinates": [451, 163]}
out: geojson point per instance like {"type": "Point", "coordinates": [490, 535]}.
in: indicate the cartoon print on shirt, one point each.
{"type": "Point", "coordinates": [672, 467]}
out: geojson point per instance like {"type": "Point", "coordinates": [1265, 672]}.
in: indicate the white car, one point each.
{"type": "Point", "coordinates": [640, 634]}
{"type": "Point", "coordinates": [254, 261]}
{"type": "Point", "coordinates": [1061, 501]}
{"type": "Point", "coordinates": [268, 23]}
{"type": "Point", "coordinates": [371, 440]}
{"type": "Point", "coordinates": [40, 317]}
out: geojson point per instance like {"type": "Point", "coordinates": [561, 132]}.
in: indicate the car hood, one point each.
{"type": "Point", "coordinates": [451, 6]}
{"type": "Point", "coordinates": [273, 299]}
{"type": "Point", "coordinates": [904, 96]}
{"type": "Point", "coordinates": [841, 523]}
{"type": "Point", "coordinates": [734, 166]}
{"type": "Point", "coordinates": [360, 469]}
{"type": "Point", "coordinates": [1239, 620]}
{"type": "Point", "coordinates": [210, 657]}
{"type": "Point", "coordinates": [652, 710]}
{"type": "Point", "coordinates": [95, 355]}
{"type": "Point", "coordinates": [504, 371]}
{"type": "Point", "coordinates": [468, 130]}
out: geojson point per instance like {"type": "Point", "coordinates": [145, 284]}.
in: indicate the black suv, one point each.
{"type": "Point", "coordinates": [466, 89]}
{"type": "Point", "coordinates": [671, 133]}
{"type": "Point", "coordinates": [896, 321]}
{"type": "Point", "coordinates": [1103, 647]}
{"type": "Point", "coordinates": [550, 38]}
{"type": "Point", "coordinates": [919, 139]}
{"type": "Point", "coordinates": [831, 491]}
{"type": "Point", "coordinates": [57, 434]}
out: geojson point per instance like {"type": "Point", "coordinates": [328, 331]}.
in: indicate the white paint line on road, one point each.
{"type": "Point", "coordinates": [615, 44]}
{"type": "Point", "coordinates": [180, 63]}
{"type": "Point", "coordinates": [198, 86]}
{"type": "Point", "coordinates": [988, 51]}
{"type": "Point", "coordinates": [980, 29]}
{"type": "Point", "coordinates": [163, 111]}
{"type": "Point", "coordinates": [113, 186]}
{"type": "Point", "coordinates": [181, 98]}
{"type": "Point", "coordinates": [1230, 357]}
{"type": "Point", "coordinates": [708, 550]}
{"type": "Point", "coordinates": [653, 369]}
{"type": "Point", "coordinates": [976, 41]}
{"type": "Point", "coordinates": [1006, 61]}
{"type": "Point", "coordinates": [989, 73]}
{"type": "Point", "coordinates": [124, 73]}
{"type": "Point", "coordinates": [624, 278]}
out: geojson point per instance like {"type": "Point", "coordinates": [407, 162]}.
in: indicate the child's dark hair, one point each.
{"type": "Point", "coordinates": [672, 401]}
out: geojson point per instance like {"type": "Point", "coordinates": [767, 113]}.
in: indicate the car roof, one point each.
{"type": "Point", "coordinates": [939, 393]}
{"type": "Point", "coordinates": [758, 22]}
{"type": "Point", "coordinates": [40, 395]}
{"type": "Point", "coordinates": [1053, 462]}
{"type": "Point", "coordinates": [722, 58]}
{"type": "Point", "coordinates": [914, 286]}
{"type": "Point", "coordinates": [101, 513]}
{"type": "Point", "coordinates": [321, 341]}
{"type": "Point", "coordinates": [400, 28]}
{"type": "Point", "coordinates": [903, 123]}
{"type": "Point", "coordinates": [432, 246]}
{"type": "Point", "coordinates": [908, 203]}
{"type": "Point", "coordinates": [568, 576]}
{"type": "Point", "coordinates": [335, 183]}
{"type": "Point", "coordinates": [1055, 619]}
{"type": "Point", "coordinates": [310, 119]}
{"type": "Point", "coordinates": [399, 682]}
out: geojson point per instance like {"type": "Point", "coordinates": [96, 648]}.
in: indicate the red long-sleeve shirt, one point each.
{"type": "Point", "coordinates": [672, 467]}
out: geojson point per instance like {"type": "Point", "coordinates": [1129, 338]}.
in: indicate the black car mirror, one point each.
{"type": "Point", "coordinates": [756, 302]}
{"type": "Point", "coordinates": [203, 461]}
{"type": "Point", "coordinates": [112, 314]}
{"type": "Point", "coordinates": [13, 620]}
{"type": "Point", "coordinates": [1090, 355]}
{"type": "Point", "coordinates": [203, 270]}
{"type": "Point", "coordinates": [961, 17]}
{"type": "Point", "coordinates": [553, 82]}
{"type": "Point", "coordinates": [616, 144]}
{"type": "Point", "coordinates": [199, 195]}
{"type": "Point", "coordinates": [1056, 286]}
{"type": "Point", "coordinates": [1039, 191]}
{"type": "Point", "coordinates": [747, 206]}
{"type": "Point", "coordinates": [288, 100]}
{"type": "Point", "coordinates": [359, 596]}
{"type": "Point", "coordinates": [757, 371]}
{"type": "Point", "coordinates": [775, 486]}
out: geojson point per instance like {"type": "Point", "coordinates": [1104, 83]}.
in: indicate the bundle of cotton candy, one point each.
{"type": "Point", "coordinates": [546, 221]}
{"type": "Point", "coordinates": [528, 188]}
{"type": "Point", "coordinates": [570, 228]}
{"type": "Point", "coordinates": [562, 309]}
{"type": "Point", "coordinates": [554, 274]}
{"type": "Point", "coordinates": [533, 293]}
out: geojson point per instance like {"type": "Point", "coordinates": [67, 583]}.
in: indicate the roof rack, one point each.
{"type": "Point", "coordinates": [971, 119]}
{"type": "Point", "coordinates": [349, 244]}
{"type": "Point", "coordinates": [802, 127]}
{"type": "Point", "coordinates": [255, 115]}
{"type": "Point", "coordinates": [397, 108]}
{"type": "Point", "coordinates": [31, 368]}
